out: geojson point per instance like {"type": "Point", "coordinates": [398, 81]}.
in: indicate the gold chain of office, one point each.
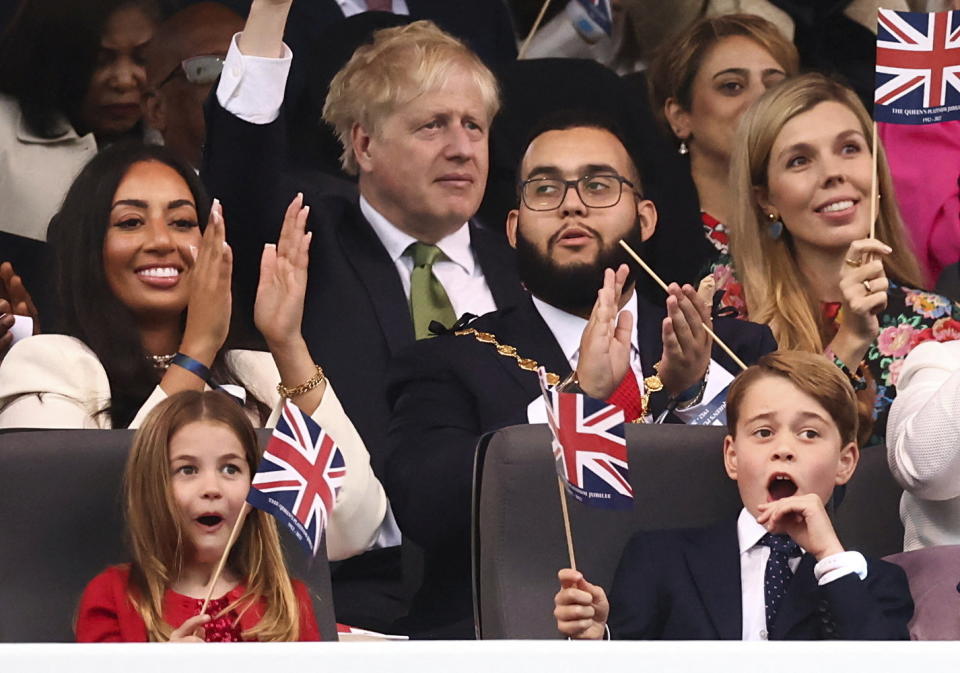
{"type": "Point", "coordinates": [651, 384]}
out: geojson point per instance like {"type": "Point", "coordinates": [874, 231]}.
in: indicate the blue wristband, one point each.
{"type": "Point", "coordinates": [193, 366]}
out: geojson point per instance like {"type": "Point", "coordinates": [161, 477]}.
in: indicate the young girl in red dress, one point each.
{"type": "Point", "coordinates": [185, 484]}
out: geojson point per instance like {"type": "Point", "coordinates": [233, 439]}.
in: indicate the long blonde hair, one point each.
{"type": "Point", "coordinates": [775, 290]}
{"type": "Point", "coordinates": [156, 538]}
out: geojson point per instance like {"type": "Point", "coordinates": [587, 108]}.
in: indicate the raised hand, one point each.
{"type": "Point", "coordinates": [278, 310]}
{"type": "Point", "coordinates": [263, 32]}
{"type": "Point", "coordinates": [605, 343]}
{"type": "Point", "coordinates": [187, 632]}
{"type": "Point", "coordinates": [581, 608]}
{"type": "Point", "coordinates": [19, 301]}
{"type": "Point", "coordinates": [686, 344]}
{"type": "Point", "coordinates": [863, 285]}
{"type": "Point", "coordinates": [209, 307]}
{"type": "Point", "coordinates": [805, 520]}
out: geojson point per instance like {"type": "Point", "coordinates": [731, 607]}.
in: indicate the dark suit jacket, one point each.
{"type": "Point", "coordinates": [446, 393]}
{"type": "Point", "coordinates": [685, 585]}
{"type": "Point", "coordinates": [356, 315]}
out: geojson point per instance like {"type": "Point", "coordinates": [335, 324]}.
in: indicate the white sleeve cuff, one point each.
{"type": "Point", "coordinates": [839, 565]}
{"type": "Point", "coordinates": [718, 379]}
{"type": "Point", "coordinates": [537, 410]}
{"type": "Point", "coordinates": [251, 87]}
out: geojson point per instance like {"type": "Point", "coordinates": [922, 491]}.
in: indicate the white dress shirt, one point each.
{"type": "Point", "coordinates": [457, 270]}
{"type": "Point", "coordinates": [351, 7]}
{"type": "Point", "coordinates": [252, 87]}
{"type": "Point", "coordinates": [567, 330]}
{"type": "Point", "coordinates": [753, 565]}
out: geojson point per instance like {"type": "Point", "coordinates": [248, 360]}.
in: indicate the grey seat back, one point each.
{"type": "Point", "coordinates": [679, 481]}
{"type": "Point", "coordinates": [61, 524]}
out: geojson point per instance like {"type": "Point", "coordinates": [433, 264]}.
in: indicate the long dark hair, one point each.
{"type": "Point", "coordinates": [89, 310]}
{"type": "Point", "coordinates": [48, 54]}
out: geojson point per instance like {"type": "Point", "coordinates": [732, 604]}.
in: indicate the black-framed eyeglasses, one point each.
{"type": "Point", "coordinates": [596, 191]}
{"type": "Point", "coordinates": [197, 69]}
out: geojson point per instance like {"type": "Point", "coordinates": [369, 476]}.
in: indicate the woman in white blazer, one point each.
{"type": "Point", "coordinates": [146, 308]}
{"type": "Point", "coordinates": [71, 81]}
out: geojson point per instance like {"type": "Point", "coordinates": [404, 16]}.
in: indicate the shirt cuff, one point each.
{"type": "Point", "coordinates": [718, 379]}
{"type": "Point", "coordinates": [537, 410]}
{"type": "Point", "coordinates": [251, 87]}
{"type": "Point", "coordinates": [839, 565]}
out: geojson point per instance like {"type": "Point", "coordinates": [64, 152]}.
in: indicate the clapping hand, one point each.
{"type": "Point", "coordinates": [209, 307]}
{"type": "Point", "coordinates": [278, 310]}
{"type": "Point", "coordinates": [686, 344]}
{"type": "Point", "coordinates": [605, 344]}
{"type": "Point", "coordinates": [14, 300]}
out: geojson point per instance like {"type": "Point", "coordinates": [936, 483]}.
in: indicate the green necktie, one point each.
{"type": "Point", "coordinates": [428, 299]}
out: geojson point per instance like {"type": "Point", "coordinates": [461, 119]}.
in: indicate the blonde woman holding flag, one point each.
{"type": "Point", "coordinates": [802, 172]}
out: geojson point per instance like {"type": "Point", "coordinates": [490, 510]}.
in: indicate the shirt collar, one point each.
{"type": "Point", "coordinates": [455, 246]}
{"type": "Point", "coordinates": [749, 531]}
{"type": "Point", "coordinates": [567, 328]}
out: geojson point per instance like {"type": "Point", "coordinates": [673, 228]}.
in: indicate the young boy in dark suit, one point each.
{"type": "Point", "coordinates": [776, 572]}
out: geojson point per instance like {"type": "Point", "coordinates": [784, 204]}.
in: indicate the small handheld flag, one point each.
{"type": "Point", "coordinates": [589, 448]}
{"type": "Point", "coordinates": [591, 18]}
{"type": "Point", "coordinates": [299, 476]}
{"type": "Point", "coordinates": [918, 67]}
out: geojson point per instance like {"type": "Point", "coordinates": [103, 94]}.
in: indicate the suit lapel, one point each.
{"type": "Point", "coordinates": [713, 556]}
{"type": "Point", "coordinates": [374, 268]}
{"type": "Point", "coordinates": [800, 601]}
{"type": "Point", "coordinates": [499, 267]}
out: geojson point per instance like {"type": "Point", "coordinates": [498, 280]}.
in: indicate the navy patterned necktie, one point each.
{"type": "Point", "coordinates": [777, 576]}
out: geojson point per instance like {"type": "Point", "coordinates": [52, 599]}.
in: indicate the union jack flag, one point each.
{"type": "Point", "coordinates": [299, 476]}
{"type": "Point", "coordinates": [589, 448]}
{"type": "Point", "coordinates": [918, 67]}
{"type": "Point", "coordinates": [599, 11]}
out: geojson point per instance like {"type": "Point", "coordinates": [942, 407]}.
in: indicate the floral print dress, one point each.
{"type": "Point", "coordinates": [721, 266]}
{"type": "Point", "coordinates": [911, 317]}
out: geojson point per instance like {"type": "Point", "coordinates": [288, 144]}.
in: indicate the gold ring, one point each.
{"type": "Point", "coordinates": [866, 286]}
{"type": "Point", "coordinates": [853, 262]}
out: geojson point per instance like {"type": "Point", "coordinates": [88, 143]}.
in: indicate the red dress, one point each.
{"type": "Point", "coordinates": [106, 613]}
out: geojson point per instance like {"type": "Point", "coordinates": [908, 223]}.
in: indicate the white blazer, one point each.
{"type": "Point", "coordinates": [55, 381]}
{"type": "Point", "coordinates": [923, 444]}
{"type": "Point", "coordinates": [36, 172]}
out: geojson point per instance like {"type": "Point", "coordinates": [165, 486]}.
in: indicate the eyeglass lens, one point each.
{"type": "Point", "coordinates": [596, 191]}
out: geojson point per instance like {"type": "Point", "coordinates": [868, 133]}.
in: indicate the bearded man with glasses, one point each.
{"type": "Point", "coordinates": [184, 60]}
{"type": "Point", "coordinates": [580, 194]}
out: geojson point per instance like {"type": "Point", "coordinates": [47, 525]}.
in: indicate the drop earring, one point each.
{"type": "Point", "coordinates": [683, 148]}
{"type": "Point", "coordinates": [775, 228]}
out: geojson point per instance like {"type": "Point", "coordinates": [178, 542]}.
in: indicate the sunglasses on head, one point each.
{"type": "Point", "coordinates": [197, 69]}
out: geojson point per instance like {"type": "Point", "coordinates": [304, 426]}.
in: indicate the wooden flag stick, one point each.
{"type": "Point", "coordinates": [533, 29]}
{"type": "Point", "coordinates": [226, 552]}
{"type": "Point", "coordinates": [566, 522]}
{"type": "Point", "coordinates": [653, 274]}
{"type": "Point", "coordinates": [873, 187]}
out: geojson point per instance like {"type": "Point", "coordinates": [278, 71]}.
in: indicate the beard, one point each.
{"type": "Point", "coordinates": [573, 288]}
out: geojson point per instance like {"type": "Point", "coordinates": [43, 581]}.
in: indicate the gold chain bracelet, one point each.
{"type": "Point", "coordinates": [307, 386]}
